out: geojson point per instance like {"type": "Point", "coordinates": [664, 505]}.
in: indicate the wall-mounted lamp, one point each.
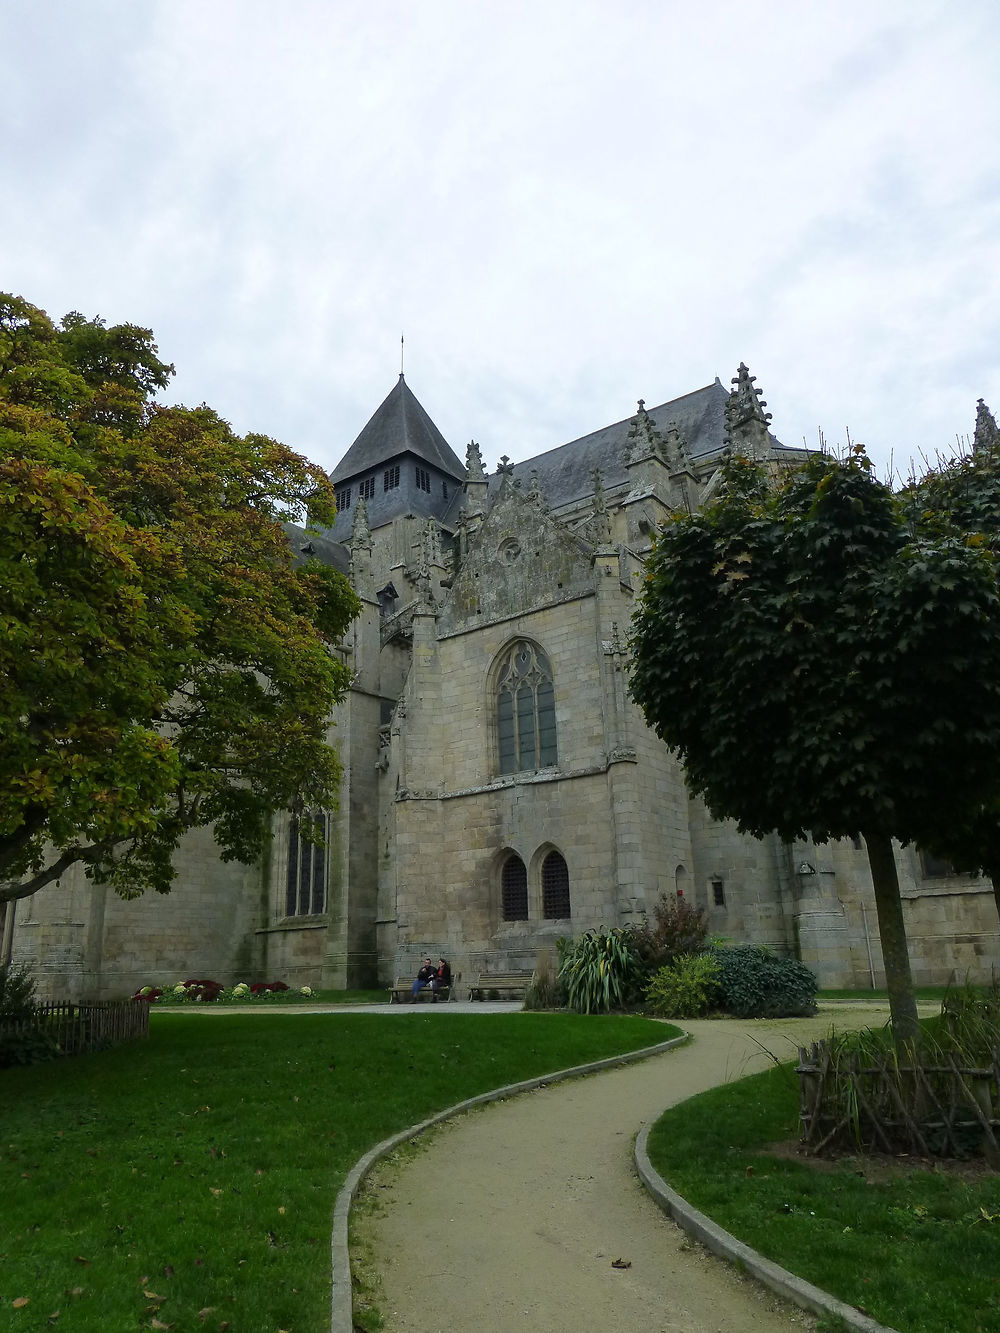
{"type": "Point", "coordinates": [806, 869]}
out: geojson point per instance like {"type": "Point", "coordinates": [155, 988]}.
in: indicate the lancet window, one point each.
{"type": "Point", "coordinates": [514, 889]}
{"type": "Point", "coordinates": [525, 709]}
{"type": "Point", "coordinates": [305, 875]}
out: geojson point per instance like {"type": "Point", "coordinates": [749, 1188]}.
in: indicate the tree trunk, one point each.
{"type": "Point", "coordinates": [895, 954]}
{"type": "Point", "coordinates": [994, 874]}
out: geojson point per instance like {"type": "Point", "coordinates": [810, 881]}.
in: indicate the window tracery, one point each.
{"type": "Point", "coordinates": [525, 709]}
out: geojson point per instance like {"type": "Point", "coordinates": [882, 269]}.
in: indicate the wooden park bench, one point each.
{"type": "Point", "coordinates": [401, 991]}
{"type": "Point", "coordinates": [501, 985]}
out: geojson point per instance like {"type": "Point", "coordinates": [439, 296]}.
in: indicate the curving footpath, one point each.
{"type": "Point", "coordinates": [532, 1213]}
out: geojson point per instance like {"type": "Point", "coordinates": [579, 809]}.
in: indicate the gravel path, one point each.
{"type": "Point", "coordinates": [512, 1216]}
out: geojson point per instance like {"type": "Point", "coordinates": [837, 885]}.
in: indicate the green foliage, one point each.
{"type": "Point", "coordinates": [970, 1022]}
{"type": "Point", "coordinates": [795, 631]}
{"type": "Point", "coordinates": [677, 928]}
{"type": "Point", "coordinates": [788, 635]}
{"type": "Point", "coordinates": [686, 988]}
{"type": "Point", "coordinates": [755, 983]}
{"type": "Point", "coordinates": [17, 992]}
{"type": "Point", "coordinates": [600, 971]}
{"type": "Point", "coordinates": [164, 662]}
{"type": "Point", "coordinates": [31, 1047]}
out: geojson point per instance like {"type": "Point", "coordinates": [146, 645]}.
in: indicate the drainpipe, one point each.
{"type": "Point", "coordinates": [7, 933]}
{"type": "Point", "coordinates": [868, 943]}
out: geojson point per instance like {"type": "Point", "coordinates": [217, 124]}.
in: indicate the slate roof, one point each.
{"type": "Point", "coordinates": [314, 546]}
{"type": "Point", "coordinates": [565, 474]}
{"type": "Point", "coordinates": [399, 426]}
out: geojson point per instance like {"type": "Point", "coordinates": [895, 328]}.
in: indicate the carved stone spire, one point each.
{"type": "Point", "coordinates": [643, 439]}
{"type": "Point", "coordinates": [987, 436]}
{"type": "Point", "coordinates": [676, 449]}
{"type": "Point", "coordinates": [746, 420]}
{"type": "Point", "coordinates": [535, 495]}
{"type": "Point", "coordinates": [474, 462]}
{"type": "Point", "coordinates": [475, 485]}
{"type": "Point", "coordinates": [600, 524]}
{"type": "Point", "coordinates": [360, 546]}
{"type": "Point", "coordinates": [361, 533]}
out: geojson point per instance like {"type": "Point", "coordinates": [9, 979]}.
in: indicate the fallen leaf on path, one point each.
{"type": "Point", "coordinates": [621, 1263]}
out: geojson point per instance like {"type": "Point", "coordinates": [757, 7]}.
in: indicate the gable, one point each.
{"type": "Point", "coordinates": [519, 560]}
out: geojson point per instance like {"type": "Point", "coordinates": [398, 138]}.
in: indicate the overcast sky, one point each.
{"type": "Point", "coordinates": [564, 205]}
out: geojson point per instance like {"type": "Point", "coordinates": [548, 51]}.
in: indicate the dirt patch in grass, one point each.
{"type": "Point", "coordinates": [877, 1167]}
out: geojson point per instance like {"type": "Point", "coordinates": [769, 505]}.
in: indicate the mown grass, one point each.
{"type": "Point", "coordinates": [917, 1249]}
{"type": "Point", "coordinates": [930, 993]}
{"type": "Point", "coordinates": [188, 1181]}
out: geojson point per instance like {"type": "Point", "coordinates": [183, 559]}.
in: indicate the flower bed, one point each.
{"type": "Point", "coordinates": [206, 991]}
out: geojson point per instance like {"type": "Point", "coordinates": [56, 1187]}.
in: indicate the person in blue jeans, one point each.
{"type": "Point", "coordinates": [424, 978]}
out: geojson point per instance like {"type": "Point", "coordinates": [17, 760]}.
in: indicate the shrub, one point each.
{"type": "Point", "coordinates": [547, 990]}
{"type": "Point", "coordinates": [17, 992]}
{"type": "Point", "coordinates": [755, 983]}
{"type": "Point", "coordinates": [687, 988]}
{"type": "Point", "coordinates": [600, 971]}
{"type": "Point", "coordinates": [27, 1048]}
{"type": "Point", "coordinates": [677, 929]}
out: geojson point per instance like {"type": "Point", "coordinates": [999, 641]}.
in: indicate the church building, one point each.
{"type": "Point", "coordinates": [501, 790]}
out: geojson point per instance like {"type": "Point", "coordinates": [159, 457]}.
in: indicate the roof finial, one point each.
{"type": "Point", "coordinates": [746, 420]}
{"type": "Point", "coordinates": [987, 437]}
{"type": "Point", "coordinates": [400, 356]}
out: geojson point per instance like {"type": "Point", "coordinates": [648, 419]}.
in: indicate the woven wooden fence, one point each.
{"type": "Point", "coordinates": [943, 1109]}
{"type": "Point", "coordinates": [77, 1028]}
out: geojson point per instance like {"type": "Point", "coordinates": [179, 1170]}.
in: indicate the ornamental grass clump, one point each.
{"type": "Point", "coordinates": [600, 971]}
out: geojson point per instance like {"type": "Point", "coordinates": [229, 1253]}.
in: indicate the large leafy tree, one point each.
{"type": "Point", "coordinates": [825, 666]}
{"type": "Point", "coordinates": [164, 663]}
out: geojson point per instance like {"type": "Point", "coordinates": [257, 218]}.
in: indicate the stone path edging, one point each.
{"type": "Point", "coordinates": [341, 1302]}
{"type": "Point", "coordinates": [723, 1243]}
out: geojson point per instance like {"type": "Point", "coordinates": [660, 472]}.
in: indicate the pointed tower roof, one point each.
{"type": "Point", "coordinates": [399, 426]}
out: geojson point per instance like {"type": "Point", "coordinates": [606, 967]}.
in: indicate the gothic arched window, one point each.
{"type": "Point", "coordinates": [514, 889]}
{"type": "Point", "coordinates": [555, 887]}
{"type": "Point", "coordinates": [526, 711]}
{"type": "Point", "coordinates": [305, 871]}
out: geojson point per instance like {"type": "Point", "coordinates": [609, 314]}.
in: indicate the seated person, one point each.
{"type": "Point", "coordinates": [424, 977]}
{"type": "Point", "coordinates": [442, 977]}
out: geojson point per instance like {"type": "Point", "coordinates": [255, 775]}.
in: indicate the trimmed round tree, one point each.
{"type": "Point", "coordinates": [824, 669]}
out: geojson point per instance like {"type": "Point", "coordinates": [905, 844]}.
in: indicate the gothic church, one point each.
{"type": "Point", "coordinates": [500, 787]}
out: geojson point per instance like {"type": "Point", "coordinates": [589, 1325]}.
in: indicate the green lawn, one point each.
{"type": "Point", "coordinates": [188, 1181]}
{"type": "Point", "coordinates": [930, 993]}
{"type": "Point", "coordinates": [918, 1250]}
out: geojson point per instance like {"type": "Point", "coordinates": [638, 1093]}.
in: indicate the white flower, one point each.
{"type": "Point", "coordinates": [180, 988]}
{"type": "Point", "coordinates": [306, 990]}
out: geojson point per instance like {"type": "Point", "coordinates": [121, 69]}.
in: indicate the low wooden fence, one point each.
{"type": "Point", "coordinates": [942, 1109]}
{"type": "Point", "coordinates": [77, 1028]}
